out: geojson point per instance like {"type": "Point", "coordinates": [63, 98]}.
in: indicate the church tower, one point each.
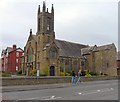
{"type": "Point", "coordinates": [45, 23]}
{"type": "Point", "coordinates": [45, 32]}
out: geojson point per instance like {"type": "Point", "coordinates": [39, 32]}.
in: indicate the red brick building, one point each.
{"type": "Point", "coordinates": [10, 59]}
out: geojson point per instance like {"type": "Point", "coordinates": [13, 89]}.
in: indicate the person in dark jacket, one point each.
{"type": "Point", "coordinates": [73, 78]}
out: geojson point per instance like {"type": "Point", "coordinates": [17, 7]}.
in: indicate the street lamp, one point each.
{"type": "Point", "coordinates": [28, 66]}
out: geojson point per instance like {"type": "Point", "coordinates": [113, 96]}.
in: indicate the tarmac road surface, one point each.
{"type": "Point", "coordinates": [94, 90]}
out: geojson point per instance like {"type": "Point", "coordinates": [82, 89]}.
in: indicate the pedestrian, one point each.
{"type": "Point", "coordinates": [73, 77]}
{"type": "Point", "coordinates": [79, 76]}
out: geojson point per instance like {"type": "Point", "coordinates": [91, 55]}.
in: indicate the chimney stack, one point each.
{"type": "Point", "coordinates": [14, 47]}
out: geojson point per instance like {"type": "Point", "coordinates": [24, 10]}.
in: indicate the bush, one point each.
{"type": "Point", "coordinates": [65, 74]}
{"type": "Point", "coordinates": [44, 72]}
{"type": "Point", "coordinates": [62, 73]}
{"type": "Point", "coordinates": [6, 74]}
{"type": "Point", "coordinates": [94, 73]}
{"type": "Point", "coordinates": [46, 68]}
{"type": "Point", "coordinates": [88, 75]}
{"type": "Point", "coordinates": [19, 72]}
{"type": "Point", "coordinates": [87, 71]}
{"type": "Point", "coordinates": [33, 72]}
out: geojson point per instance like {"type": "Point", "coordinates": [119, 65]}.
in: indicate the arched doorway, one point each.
{"type": "Point", "coordinates": [52, 71]}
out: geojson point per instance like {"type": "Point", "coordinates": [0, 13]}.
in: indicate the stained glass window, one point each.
{"type": "Point", "coordinates": [30, 55]}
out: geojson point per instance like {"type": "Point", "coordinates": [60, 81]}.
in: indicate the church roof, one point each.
{"type": "Point", "coordinates": [32, 37]}
{"type": "Point", "coordinates": [87, 50]}
{"type": "Point", "coordinates": [105, 47]}
{"type": "Point", "coordinates": [97, 48]}
{"type": "Point", "coordinates": [69, 49]}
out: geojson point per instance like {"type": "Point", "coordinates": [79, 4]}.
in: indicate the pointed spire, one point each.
{"type": "Point", "coordinates": [39, 9]}
{"type": "Point", "coordinates": [52, 9]}
{"type": "Point", "coordinates": [44, 6]}
{"type": "Point", "coordinates": [30, 31]}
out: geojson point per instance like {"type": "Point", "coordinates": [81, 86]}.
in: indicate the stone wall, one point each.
{"type": "Point", "coordinates": [49, 80]}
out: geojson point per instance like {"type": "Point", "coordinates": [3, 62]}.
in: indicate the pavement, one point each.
{"type": "Point", "coordinates": [34, 87]}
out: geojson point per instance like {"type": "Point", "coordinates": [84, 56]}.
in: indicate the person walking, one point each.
{"type": "Point", "coordinates": [73, 77]}
{"type": "Point", "coordinates": [79, 76]}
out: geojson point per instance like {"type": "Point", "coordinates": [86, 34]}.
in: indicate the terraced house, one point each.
{"type": "Point", "coordinates": [51, 56]}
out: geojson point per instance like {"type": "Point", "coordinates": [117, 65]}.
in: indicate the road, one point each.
{"type": "Point", "coordinates": [97, 90]}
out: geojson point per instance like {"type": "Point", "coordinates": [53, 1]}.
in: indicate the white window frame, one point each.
{"type": "Point", "coordinates": [16, 68]}
{"type": "Point", "coordinates": [16, 60]}
{"type": "Point", "coordinates": [17, 54]}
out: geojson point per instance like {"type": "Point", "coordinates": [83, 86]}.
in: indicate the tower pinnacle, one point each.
{"type": "Point", "coordinates": [52, 9]}
{"type": "Point", "coordinates": [44, 6]}
{"type": "Point", "coordinates": [30, 31]}
{"type": "Point", "coordinates": [39, 9]}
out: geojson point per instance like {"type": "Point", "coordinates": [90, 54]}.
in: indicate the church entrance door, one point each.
{"type": "Point", "coordinates": [52, 71]}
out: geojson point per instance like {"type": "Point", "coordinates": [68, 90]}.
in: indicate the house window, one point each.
{"type": "Point", "coordinates": [16, 60]}
{"type": "Point", "coordinates": [16, 68]}
{"type": "Point", "coordinates": [53, 52]}
{"type": "Point", "coordinates": [6, 60]}
{"type": "Point", "coordinates": [17, 54]}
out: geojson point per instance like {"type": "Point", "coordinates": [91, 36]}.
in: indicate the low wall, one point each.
{"type": "Point", "coordinates": [49, 80]}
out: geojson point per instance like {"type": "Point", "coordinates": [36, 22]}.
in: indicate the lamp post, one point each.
{"type": "Point", "coordinates": [38, 70]}
{"type": "Point", "coordinates": [27, 71]}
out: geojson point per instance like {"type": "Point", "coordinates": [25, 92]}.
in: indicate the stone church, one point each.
{"type": "Point", "coordinates": [51, 56]}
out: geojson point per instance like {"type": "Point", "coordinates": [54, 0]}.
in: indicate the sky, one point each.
{"type": "Point", "coordinates": [89, 22]}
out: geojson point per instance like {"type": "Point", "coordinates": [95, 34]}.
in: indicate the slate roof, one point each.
{"type": "Point", "coordinates": [97, 48]}
{"type": "Point", "coordinates": [32, 36]}
{"type": "Point", "coordinates": [9, 49]}
{"type": "Point", "coordinates": [105, 47]}
{"type": "Point", "coordinates": [3, 52]}
{"type": "Point", "coordinates": [87, 50]}
{"type": "Point", "coordinates": [17, 49]}
{"type": "Point", "coordinates": [69, 49]}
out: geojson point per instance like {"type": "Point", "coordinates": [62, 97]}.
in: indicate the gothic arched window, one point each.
{"type": "Point", "coordinates": [67, 66]}
{"type": "Point", "coordinates": [53, 52]}
{"type": "Point", "coordinates": [48, 27]}
{"type": "Point", "coordinates": [30, 54]}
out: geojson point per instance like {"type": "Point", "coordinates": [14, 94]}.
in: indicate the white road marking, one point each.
{"type": "Point", "coordinates": [111, 88]}
{"type": "Point", "coordinates": [30, 98]}
{"type": "Point", "coordinates": [80, 93]}
{"type": "Point", "coordinates": [45, 97]}
{"type": "Point", "coordinates": [52, 98]}
{"type": "Point", "coordinates": [95, 91]}
{"type": "Point", "coordinates": [98, 90]}
{"type": "Point", "coordinates": [42, 98]}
